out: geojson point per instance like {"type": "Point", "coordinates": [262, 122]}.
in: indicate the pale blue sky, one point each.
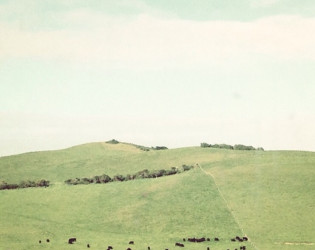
{"type": "Point", "coordinates": [173, 73]}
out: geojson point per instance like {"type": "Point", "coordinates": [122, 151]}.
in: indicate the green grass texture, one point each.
{"type": "Point", "coordinates": [266, 195]}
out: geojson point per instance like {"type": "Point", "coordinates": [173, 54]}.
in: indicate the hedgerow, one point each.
{"type": "Point", "coordinates": [139, 175]}
{"type": "Point", "coordinates": [226, 146]}
{"type": "Point", "coordinates": [24, 184]}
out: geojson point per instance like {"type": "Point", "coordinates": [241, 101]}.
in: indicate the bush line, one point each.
{"type": "Point", "coordinates": [24, 184]}
{"type": "Point", "coordinates": [139, 175]}
{"type": "Point", "coordinates": [226, 146]}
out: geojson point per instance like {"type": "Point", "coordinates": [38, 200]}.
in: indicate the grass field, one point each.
{"type": "Point", "coordinates": [268, 196]}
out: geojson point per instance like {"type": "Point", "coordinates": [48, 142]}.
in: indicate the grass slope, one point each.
{"type": "Point", "coordinates": [270, 194]}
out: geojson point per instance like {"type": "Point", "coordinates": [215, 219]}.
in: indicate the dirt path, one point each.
{"type": "Point", "coordinates": [227, 204]}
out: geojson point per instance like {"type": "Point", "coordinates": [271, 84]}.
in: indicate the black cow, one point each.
{"type": "Point", "coordinates": [47, 240]}
{"type": "Point", "coordinates": [131, 242]}
{"type": "Point", "coordinates": [233, 240]}
{"type": "Point", "coordinates": [128, 248]}
{"type": "Point", "coordinates": [245, 238]}
{"type": "Point", "coordinates": [179, 244]}
{"type": "Point", "coordinates": [109, 247]}
{"type": "Point", "coordinates": [39, 241]}
{"type": "Point", "coordinates": [149, 248]}
{"type": "Point", "coordinates": [71, 240]}
{"type": "Point", "coordinates": [216, 239]}
{"type": "Point", "coordinates": [192, 239]}
{"type": "Point", "coordinates": [208, 239]}
{"type": "Point", "coordinates": [88, 245]}
{"type": "Point", "coordinates": [208, 248]}
{"type": "Point", "coordinates": [184, 239]}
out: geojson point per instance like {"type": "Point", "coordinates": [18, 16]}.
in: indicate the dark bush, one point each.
{"type": "Point", "coordinates": [113, 141]}
{"type": "Point", "coordinates": [186, 168]}
{"type": "Point", "coordinates": [42, 183]}
{"type": "Point", "coordinates": [224, 146]}
{"type": "Point", "coordinates": [159, 148]}
{"type": "Point", "coordinates": [243, 147]}
{"type": "Point", "coordinates": [143, 148]}
{"type": "Point", "coordinates": [204, 145]}
{"type": "Point", "coordinates": [105, 178]}
{"type": "Point", "coordinates": [118, 178]}
{"type": "Point", "coordinates": [142, 174]}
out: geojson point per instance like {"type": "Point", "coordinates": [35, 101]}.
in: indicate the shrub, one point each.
{"type": "Point", "coordinates": [159, 148]}
{"type": "Point", "coordinates": [206, 145]}
{"type": "Point", "coordinates": [42, 183]}
{"type": "Point", "coordinates": [113, 141]}
{"type": "Point", "coordinates": [243, 147]}
{"type": "Point", "coordinates": [118, 178]}
{"type": "Point", "coordinates": [105, 178]}
{"type": "Point", "coordinates": [186, 168]}
{"type": "Point", "coordinates": [143, 148]}
{"type": "Point", "coordinates": [142, 174]}
{"type": "Point", "coordinates": [26, 184]}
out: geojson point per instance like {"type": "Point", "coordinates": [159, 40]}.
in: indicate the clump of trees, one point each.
{"type": "Point", "coordinates": [139, 175]}
{"type": "Point", "coordinates": [24, 184]}
{"type": "Point", "coordinates": [143, 148]}
{"type": "Point", "coordinates": [159, 148]}
{"type": "Point", "coordinates": [113, 141]}
{"type": "Point", "coordinates": [226, 146]}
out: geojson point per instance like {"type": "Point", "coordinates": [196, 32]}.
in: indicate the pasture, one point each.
{"type": "Point", "coordinates": [267, 196]}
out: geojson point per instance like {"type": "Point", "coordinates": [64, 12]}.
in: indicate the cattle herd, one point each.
{"type": "Point", "coordinates": [177, 244]}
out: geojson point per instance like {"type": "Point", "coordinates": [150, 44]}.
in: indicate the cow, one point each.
{"type": "Point", "coordinates": [216, 239]}
{"type": "Point", "coordinates": [71, 240]}
{"type": "Point", "coordinates": [192, 239]}
{"type": "Point", "coordinates": [39, 241]}
{"type": "Point", "coordinates": [208, 239]}
{"type": "Point", "coordinates": [245, 238]}
{"type": "Point", "coordinates": [179, 244]}
{"type": "Point", "coordinates": [109, 247]}
{"type": "Point", "coordinates": [233, 239]}
{"type": "Point", "coordinates": [198, 240]}
{"type": "Point", "coordinates": [128, 248]}
{"type": "Point", "coordinates": [47, 240]}
{"type": "Point", "coordinates": [184, 239]}
{"type": "Point", "coordinates": [149, 248]}
{"type": "Point", "coordinates": [208, 248]}
{"type": "Point", "coordinates": [88, 245]}
{"type": "Point", "coordinates": [131, 242]}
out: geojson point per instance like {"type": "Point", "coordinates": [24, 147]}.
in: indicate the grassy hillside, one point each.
{"type": "Point", "coordinates": [266, 195]}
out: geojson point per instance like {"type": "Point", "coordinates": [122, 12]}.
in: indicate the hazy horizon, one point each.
{"type": "Point", "coordinates": [172, 73]}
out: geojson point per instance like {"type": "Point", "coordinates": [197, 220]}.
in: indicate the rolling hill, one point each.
{"type": "Point", "coordinates": [266, 195]}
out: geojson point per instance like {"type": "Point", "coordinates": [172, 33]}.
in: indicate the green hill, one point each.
{"type": "Point", "coordinates": [266, 195]}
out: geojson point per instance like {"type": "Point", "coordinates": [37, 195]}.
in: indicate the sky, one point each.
{"type": "Point", "coordinates": [170, 72]}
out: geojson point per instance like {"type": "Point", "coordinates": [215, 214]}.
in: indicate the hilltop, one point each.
{"type": "Point", "coordinates": [266, 195]}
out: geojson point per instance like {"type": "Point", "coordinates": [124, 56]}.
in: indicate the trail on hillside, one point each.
{"type": "Point", "coordinates": [226, 203]}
